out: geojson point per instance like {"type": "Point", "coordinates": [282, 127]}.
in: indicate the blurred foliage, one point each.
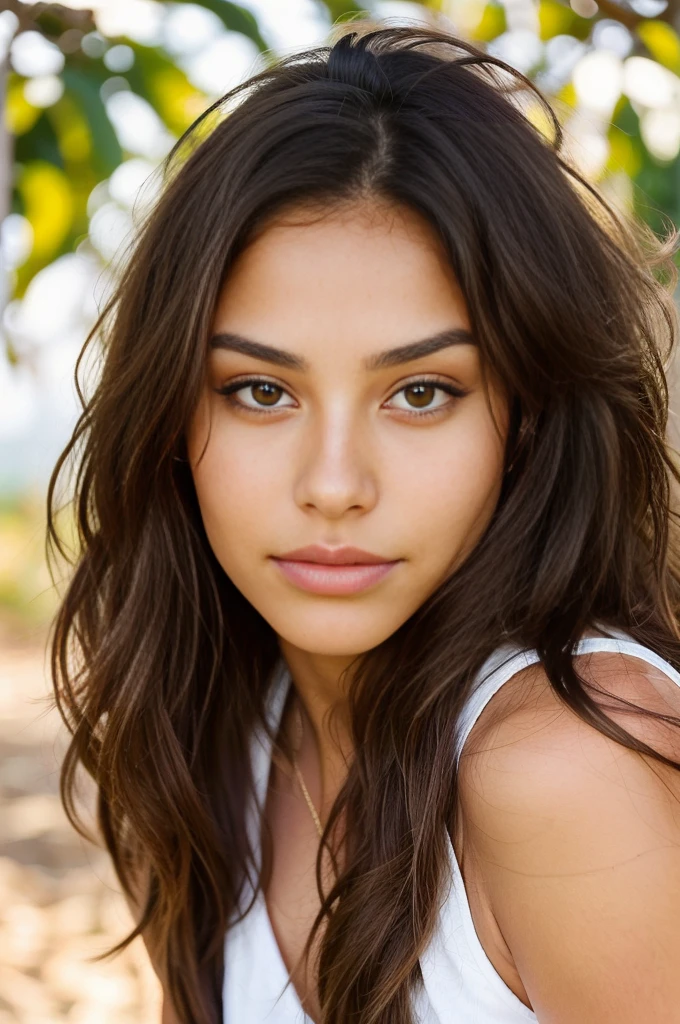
{"type": "Point", "coordinates": [63, 150]}
{"type": "Point", "coordinates": [26, 591]}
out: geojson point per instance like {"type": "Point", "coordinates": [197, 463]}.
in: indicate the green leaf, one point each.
{"type": "Point", "coordinates": [626, 149]}
{"type": "Point", "coordinates": [556, 19]}
{"type": "Point", "coordinates": [662, 42]}
{"type": "Point", "coordinates": [625, 153]}
{"type": "Point", "coordinates": [491, 24]}
{"type": "Point", "coordinates": [48, 205]}
{"type": "Point", "coordinates": [20, 115]}
{"type": "Point", "coordinates": [106, 149]}
{"type": "Point", "coordinates": [341, 10]}
{"type": "Point", "coordinates": [159, 81]}
{"type": "Point", "coordinates": [39, 143]}
{"type": "Point", "coordinates": [73, 133]}
{"type": "Point", "coordinates": [656, 195]}
{"type": "Point", "coordinates": [655, 185]}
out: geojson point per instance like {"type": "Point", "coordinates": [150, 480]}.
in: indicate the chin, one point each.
{"type": "Point", "coordinates": [343, 635]}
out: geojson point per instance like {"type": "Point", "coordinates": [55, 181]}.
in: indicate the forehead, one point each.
{"type": "Point", "coordinates": [366, 275]}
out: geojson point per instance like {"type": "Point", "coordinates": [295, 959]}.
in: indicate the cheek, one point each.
{"type": "Point", "coordinates": [451, 487]}
{"type": "Point", "coordinates": [236, 488]}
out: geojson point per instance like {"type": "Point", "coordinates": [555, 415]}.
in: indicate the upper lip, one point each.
{"type": "Point", "coordinates": [333, 556]}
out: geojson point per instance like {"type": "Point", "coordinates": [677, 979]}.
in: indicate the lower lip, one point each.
{"type": "Point", "coordinates": [336, 580]}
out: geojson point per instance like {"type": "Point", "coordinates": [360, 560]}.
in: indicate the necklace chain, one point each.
{"type": "Point", "coordinates": [301, 781]}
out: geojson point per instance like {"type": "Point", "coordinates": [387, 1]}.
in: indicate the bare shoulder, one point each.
{"type": "Point", "coordinates": [526, 718]}
{"type": "Point", "coordinates": [577, 841]}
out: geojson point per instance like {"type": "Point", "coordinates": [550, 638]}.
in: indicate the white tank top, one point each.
{"type": "Point", "coordinates": [460, 984]}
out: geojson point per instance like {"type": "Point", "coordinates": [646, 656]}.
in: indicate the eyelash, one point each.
{"type": "Point", "coordinates": [230, 390]}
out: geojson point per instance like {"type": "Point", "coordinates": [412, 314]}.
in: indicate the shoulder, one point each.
{"type": "Point", "coordinates": [527, 720]}
{"type": "Point", "coordinates": [577, 840]}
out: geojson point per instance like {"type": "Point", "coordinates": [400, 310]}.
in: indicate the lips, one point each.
{"type": "Point", "coordinates": [334, 571]}
{"type": "Point", "coordinates": [334, 556]}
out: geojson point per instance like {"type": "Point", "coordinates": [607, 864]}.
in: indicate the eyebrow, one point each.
{"type": "Point", "coordinates": [390, 357]}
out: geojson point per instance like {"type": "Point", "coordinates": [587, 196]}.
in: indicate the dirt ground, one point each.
{"type": "Point", "coordinates": [59, 900]}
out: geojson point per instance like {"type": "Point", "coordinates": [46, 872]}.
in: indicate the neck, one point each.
{"type": "Point", "coordinates": [322, 692]}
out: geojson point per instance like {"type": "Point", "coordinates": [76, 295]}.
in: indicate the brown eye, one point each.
{"type": "Point", "coordinates": [419, 396]}
{"type": "Point", "coordinates": [257, 395]}
{"type": "Point", "coordinates": [266, 394]}
{"type": "Point", "coordinates": [425, 397]}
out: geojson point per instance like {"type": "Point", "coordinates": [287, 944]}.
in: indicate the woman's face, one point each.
{"type": "Point", "coordinates": [343, 408]}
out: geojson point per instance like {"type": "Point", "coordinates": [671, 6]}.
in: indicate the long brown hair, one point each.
{"type": "Point", "coordinates": [160, 665]}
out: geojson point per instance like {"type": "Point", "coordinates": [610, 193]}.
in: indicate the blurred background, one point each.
{"type": "Point", "coordinates": [93, 95]}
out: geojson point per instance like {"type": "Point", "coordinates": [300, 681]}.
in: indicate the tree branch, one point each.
{"type": "Point", "coordinates": [631, 19]}
{"type": "Point", "coordinates": [50, 19]}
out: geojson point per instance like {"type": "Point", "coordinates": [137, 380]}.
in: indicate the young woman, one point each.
{"type": "Point", "coordinates": [372, 642]}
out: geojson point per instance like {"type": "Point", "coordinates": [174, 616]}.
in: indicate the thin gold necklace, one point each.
{"type": "Point", "coordinates": [298, 773]}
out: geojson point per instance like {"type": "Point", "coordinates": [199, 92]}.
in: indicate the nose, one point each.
{"type": "Point", "coordinates": [336, 476]}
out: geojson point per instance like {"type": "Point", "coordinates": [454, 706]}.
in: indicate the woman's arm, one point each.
{"type": "Point", "coordinates": [577, 840]}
